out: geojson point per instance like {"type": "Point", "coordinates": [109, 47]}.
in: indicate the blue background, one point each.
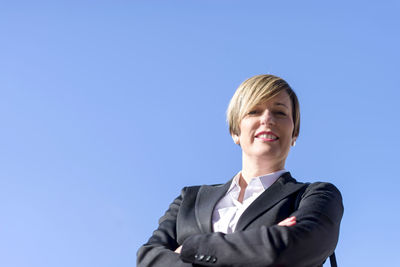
{"type": "Point", "coordinates": [109, 108]}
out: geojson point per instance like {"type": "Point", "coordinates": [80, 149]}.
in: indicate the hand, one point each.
{"type": "Point", "coordinates": [288, 221]}
{"type": "Point", "coordinates": [178, 250]}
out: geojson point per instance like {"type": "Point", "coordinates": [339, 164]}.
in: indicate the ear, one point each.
{"type": "Point", "coordinates": [236, 139]}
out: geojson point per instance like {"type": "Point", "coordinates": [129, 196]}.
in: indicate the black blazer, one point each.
{"type": "Point", "coordinates": [257, 240]}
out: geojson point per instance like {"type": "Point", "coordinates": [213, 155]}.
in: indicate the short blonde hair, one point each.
{"type": "Point", "coordinates": [255, 90]}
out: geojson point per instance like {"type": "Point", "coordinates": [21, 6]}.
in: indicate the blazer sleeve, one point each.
{"type": "Point", "coordinates": [159, 250]}
{"type": "Point", "coordinates": [308, 243]}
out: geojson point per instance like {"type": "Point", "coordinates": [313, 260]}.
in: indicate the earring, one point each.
{"type": "Point", "coordinates": [237, 141]}
{"type": "Point", "coordinates": [294, 143]}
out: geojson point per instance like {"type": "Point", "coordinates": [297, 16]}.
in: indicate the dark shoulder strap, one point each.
{"type": "Point", "coordinates": [332, 259]}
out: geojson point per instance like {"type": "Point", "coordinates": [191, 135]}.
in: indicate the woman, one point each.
{"type": "Point", "coordinates": [262, 216]}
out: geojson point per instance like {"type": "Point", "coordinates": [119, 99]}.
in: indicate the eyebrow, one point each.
{"type": "Point", "coordinates": [280, 104]}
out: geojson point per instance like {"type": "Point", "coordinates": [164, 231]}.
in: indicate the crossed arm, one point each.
{"type": "Point", "coordinates": [309, 237]}
{"type": "Point", "coordinates": [290, 221]}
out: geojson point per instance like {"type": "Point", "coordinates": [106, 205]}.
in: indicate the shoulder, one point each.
{"type": "Point", "coordinates": [196, 188]}
{"type": "Point", "coordinates": [315, 186]}
{"type": "Point", "coordinates": [324, 198]}
{"type": "Point", "coordinates": [324, 188]}
{"type": "Point", "coordinates": [190, 190]}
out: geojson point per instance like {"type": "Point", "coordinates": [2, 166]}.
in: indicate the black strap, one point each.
{"type": "Point", "coordinates": [332, 259]}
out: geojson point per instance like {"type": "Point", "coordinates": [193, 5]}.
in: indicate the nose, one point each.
{"type": "Point", "coordinates": [267, 118]}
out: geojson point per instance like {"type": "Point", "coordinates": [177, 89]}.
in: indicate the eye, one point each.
{"type": "Point", "coordinates": [280, 113]}
{"type": "Point", "coordinates": [253, 112]}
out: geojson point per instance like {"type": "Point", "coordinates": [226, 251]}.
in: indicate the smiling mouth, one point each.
{"type": "Point", "coordinates": [267, 136]}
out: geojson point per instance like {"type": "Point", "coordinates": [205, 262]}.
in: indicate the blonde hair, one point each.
{"type": "Point", "coordinates": [252, 92]}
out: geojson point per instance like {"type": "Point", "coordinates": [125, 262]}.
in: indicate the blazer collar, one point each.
{"type": "Point", "coordinates": [208, 196]}
{"type": "Point", "coordinates": [206, 200]}
{"type": "Point", "coordinates": [283, 187]}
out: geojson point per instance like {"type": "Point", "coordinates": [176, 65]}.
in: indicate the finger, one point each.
{"type": "Point", "coordinates": [288, 224]}
{"type": "Point", "coordinates": [288, 221]}
{"type": "Point", "coordinates": [178, 250]}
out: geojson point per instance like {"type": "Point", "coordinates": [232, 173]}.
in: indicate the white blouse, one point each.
{"type": "Point", "coordinates": [228, 210]}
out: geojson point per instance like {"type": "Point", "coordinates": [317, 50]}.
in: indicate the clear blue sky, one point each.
{"type": "Point", "coordinates": [109, 108]}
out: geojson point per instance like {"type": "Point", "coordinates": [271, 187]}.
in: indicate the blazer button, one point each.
{"type": "Point", "coordinates": [214, 260]}
{"type": "Point", "coordinates": [208, 258]}
{"type": "Point", "coordinates": [201, 257]}
{"type": "Point", "coordinates": [196, 256]}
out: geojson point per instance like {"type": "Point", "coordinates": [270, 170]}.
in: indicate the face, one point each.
{"type": "Point", "coordinates": [266, 130]}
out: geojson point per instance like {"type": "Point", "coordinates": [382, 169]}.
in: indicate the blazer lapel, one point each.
{"type": "Point", "coordinates": [206, 200]}
{"type": "Point", "coordinates": [279, 190]}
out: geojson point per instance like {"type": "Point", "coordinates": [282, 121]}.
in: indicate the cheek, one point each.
{"type": "Point", "coordinates": [247, 125]}
{"type": "Point", "coordinates": [289, 127]}
{"type": "Point", "coordinates": [243, 129]}
{"type": "Point", "coordinates": [288, 133]}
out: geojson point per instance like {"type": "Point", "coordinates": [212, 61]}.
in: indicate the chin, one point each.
{"type": "Point", "coordinates": [267, 156]}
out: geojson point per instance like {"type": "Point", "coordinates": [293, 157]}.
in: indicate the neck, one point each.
{"type": "Point", "coordinates": [256, 167]}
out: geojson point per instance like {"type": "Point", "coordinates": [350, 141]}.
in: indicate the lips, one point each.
{"type": "Point", "coordinates": [267, 136]}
